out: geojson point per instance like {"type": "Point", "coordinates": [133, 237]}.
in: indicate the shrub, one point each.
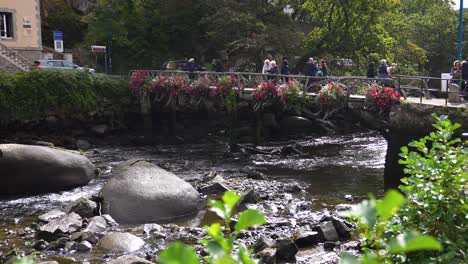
{"type": "Point", "coordinates": [437, 170]}
{"type": "Point", "coordinates": [378, 245]}
{"type": "Point", "coordinates": [221, 240]}
{"type": "Point", "coordinates": [36, 94]}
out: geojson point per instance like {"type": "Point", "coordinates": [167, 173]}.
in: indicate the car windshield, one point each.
{"type": "Point", "coordinates": [68, 64]}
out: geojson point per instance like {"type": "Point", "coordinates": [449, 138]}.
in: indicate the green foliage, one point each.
{"type": "Point", "coordinates": [36, 94]}
{"type": "Point", "coordinates": [436, 205]}
{"type": "Point", "coordinates": [220, 241]}
{"type": "Point", "coordinates": [25, 261]}
{"type": "Point", "coordinates": [379, 245]}
{"type": "Point", "coordinates": [437, 170]}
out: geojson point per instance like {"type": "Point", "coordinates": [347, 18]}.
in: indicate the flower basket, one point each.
{"type": "Point", "coordinates": [333, 95]}
{"type": "Point", "coordinates": [382, 98]}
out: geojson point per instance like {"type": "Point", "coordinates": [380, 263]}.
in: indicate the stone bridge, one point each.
{"type": "Point", "coordinates": [408, 119]}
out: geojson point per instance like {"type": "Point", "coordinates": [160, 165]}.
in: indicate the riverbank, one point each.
{"type": "Point", "coordinates": [294, 194]}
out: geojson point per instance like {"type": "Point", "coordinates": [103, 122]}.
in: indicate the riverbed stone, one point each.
{"type": "Point", "coordinates": [286, 250]}
{"type": "Point", "coordinates": [343, 228]}
{"type": "Point", "coordinates": [262, 243]}
{"type": "Point", "coordinates": [96, 224]}
{"type": "Point", "coordinates": [51, 215]}
{"type": "Point", "coordinates": [215, 188]}
{"type": "Point", "coordinates": [307, 239]}
{"type": "Point", "coordinates": [84, 246]}
{"type": "Point", "coordinates": [121, 242]}
{"type": "Point", "coordinates": [327, 231]}
{"type": "Point", "coordinates": [110, 221]}
{"type": "Point", "coordinates": [84, 207]}
{"type": "Point", "coordinates": [37, 169]}
{"type": "Point", "coordinates": [295, 123]}
{"type": "Point", "coordinates": [141, 192]}
{"type": "Point", "coordinates": [130, 260]}
{"type": "Point", "coordinates": [66, 224]}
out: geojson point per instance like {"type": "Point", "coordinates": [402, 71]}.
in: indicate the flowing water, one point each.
{"type": "Point", "coordinates": [331, 167]}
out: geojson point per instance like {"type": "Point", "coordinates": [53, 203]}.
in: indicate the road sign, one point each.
{"type": "Point", "coordinates": [58, 35]}
{"type": "Point", "coordinates": [58, 41]}
{"type": "Point", "coordinates": [98, 49]}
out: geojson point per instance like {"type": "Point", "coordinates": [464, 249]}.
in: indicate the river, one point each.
{"type": "Point", "coordinates": [329, 168]}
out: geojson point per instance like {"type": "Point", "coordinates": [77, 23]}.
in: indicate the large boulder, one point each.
{"type": "Point", "coordinates": [37, 169]}
{"type": "Point", "coordinates": [141, 192]}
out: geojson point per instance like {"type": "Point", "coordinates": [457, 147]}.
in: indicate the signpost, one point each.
{"type": "Point", "coordinates": [58, 41]}
{"type": "Point", "coordinates": [100, 49]}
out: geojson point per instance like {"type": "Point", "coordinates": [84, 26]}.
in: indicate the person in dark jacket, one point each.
{"type": "Point", "coordinates": [324, 68]}
{"type": "Point", "coordinates": [191, 67]}
{"type": "Point", "coordinates": [383, 70]}
{"type": "Point", "coordinates": [274, 71]}
{"type": "Point", "coordinates": [285, 69]}
{"type": "Point", "coordinates": [311, 70]}
{"type": "Point", "coordinates": [371, 70]}
{"type": "Point", "coordinates": [218, 65]}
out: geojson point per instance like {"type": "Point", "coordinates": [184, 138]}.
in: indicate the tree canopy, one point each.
{"type": "Point", "coordinates": [419, 35]}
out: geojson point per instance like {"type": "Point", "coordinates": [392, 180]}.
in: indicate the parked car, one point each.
{"type": "Point", "coordinates": [61, 65]}
{"type": "Point", "coordinates": [179, 65]}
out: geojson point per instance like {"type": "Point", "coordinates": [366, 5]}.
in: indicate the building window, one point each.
{"type": "Point", "coordinates": [6, 25]}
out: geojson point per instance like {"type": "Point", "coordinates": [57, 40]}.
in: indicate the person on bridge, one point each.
{"type": "Point", "coordinates": [191, 67]}
{"type": "Point", "coordinates": [323, 68]}
{"type": "Point", "coordinates": [285, 69]}
{"type": "Point", "coordinates": [371, 70]}
{"type": "Point", "coordinates": [456, 72]}
{"type": "Point", "coordinates": [311, 70]}
{"type": "Point", "coordinates": [274, 71]}
{"type": "Point", "coordinates": [383, 70]}
{"type": "Point", "coordinates": [266, 68]}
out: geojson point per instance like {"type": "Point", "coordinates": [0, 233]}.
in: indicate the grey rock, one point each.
{"type": "Point", "coordinates": [247, 197]}
{"type": "Point", "coordinates": [148, 228]}
{"type": "Point", "coordinates": [110, 221]}
{"type": "Point", "coordinates": [140, 192]}
{"type": "Point", "coordinates": [90, 237]}
{"type": "Point", "coordinates": [76, 236]}
{"type": "Point", "coordinates": [100, 129]}
{"type": "Point", "coordinates": [307, 239]}
{"type": "Point", "coordinates": [84, 207]}
{"type": "Point", "coordinates": [84, 246]}
{"type": "Point", "coordinates": [82, 144]}
{"type": "Point", "coordinates": [343, 228]}
{"type": "Point", "coordinates": [36, 169]}
{"type": "Point", "coordinates": [121, 242]}
{"type": "Point", "coordinates": [51, 215]}
{"type": "Point", "coordinates": [214, 189]}
{"type": "Point", "coordinates": [49, 262]}
{"type": "Point", "coordinates": [267, 256]}
{"type": "Point", "coordinates": [58, 244]}
{"type": "Point", "coordinates": [96, 224]}
{"type": "Point", "coordinates": [66, 224]}
{"type": "Point", "coordinates": [327, 231]}
{"type": "Point", "coordinates": [329, 245]}
{"type": "Point", "coordinates": [129, 260]}
{"type": "Point", "coordinates": [70, 245]}
{"type": "Point", "coordinates": [286, 250]}
{"type": "Point", "coordinates": [295, 123]}
{"type": "Point", "coordinates": [262, 243]}
{"type": "Point", "coordinates": [40, 245]}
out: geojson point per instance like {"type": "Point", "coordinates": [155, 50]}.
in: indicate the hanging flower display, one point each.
{"type": "Point", "coordinates": [332, 95]}
{"type": "Point", "coordinates": [138, 80]}
{"type": "Point", "coordinates": [382, 98]}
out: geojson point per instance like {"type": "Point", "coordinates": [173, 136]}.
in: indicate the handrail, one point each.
{"type": "Point", "coordinates": [398, 82]}
{"type": "Point", "coordinates": [18, 59]}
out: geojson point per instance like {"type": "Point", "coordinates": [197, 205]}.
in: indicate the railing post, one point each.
{"type": "Point", "coordinates": [447, 93]}
{"type": "Point", "coordinates": [421, 92]}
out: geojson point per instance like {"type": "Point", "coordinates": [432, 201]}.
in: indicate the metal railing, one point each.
{"type": "Point", "coordinates": [421, 87]}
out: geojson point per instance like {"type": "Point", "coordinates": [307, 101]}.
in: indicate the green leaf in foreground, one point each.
{"type": "Point", "coordinates": [178, 253]}
{"type": "Point", "coordinates": [390, 204]}
{"type": "Point", "coordinates": [25, 261]}
{"type": "Point", "coordinates": [248, 219]}
{"type": "Point", "coordinates": [405, 243]}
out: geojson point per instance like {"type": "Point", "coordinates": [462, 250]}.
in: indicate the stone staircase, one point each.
{"type": "Point", "coordinates": [14, 58]}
